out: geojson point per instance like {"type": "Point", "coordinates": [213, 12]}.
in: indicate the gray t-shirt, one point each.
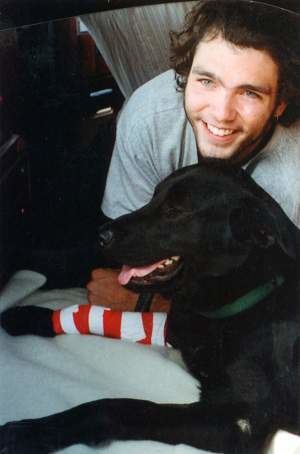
{"type": "Point", "coordinates": [154, 138]}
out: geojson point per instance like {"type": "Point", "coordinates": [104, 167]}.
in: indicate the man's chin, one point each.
{"type": "Point", "coordinates": [222, 156]}
{"type": "Point", "coordinates": [227, 156]}
{"type": "Point", "coordinates": [221, 162]}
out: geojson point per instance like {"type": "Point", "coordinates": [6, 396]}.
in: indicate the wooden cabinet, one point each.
{"type": "Point", "coordinates": [55, 90]}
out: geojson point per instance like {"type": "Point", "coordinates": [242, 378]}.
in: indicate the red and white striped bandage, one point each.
{"type": "Point", "coordinates": [142, 327]}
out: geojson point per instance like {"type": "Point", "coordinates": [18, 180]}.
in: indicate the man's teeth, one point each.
{"type": "Point", "coordinates": [219, 132]}
{"type": "Point", "coordinates": [169, 261]}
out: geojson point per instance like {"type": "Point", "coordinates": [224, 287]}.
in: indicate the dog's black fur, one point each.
{"type": "Point", "coordinates": [232, 237]}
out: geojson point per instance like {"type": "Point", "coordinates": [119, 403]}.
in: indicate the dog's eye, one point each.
{"type": "Point", "coordinates": [172, 212]}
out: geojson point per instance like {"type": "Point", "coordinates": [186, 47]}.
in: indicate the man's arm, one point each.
{"type": "Point", "coordinates": [133, 173]}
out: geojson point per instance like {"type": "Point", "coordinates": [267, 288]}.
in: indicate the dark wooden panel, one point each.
{"type": "Point", "coordinates": [15, 13]}
{"type": "Point", "coordinates": [14, 202]}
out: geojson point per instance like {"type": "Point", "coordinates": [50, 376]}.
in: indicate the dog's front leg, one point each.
{"type": "Point", "coordinates": [86, 424]}
{"type": "Point", "coordinates": [127, 419]}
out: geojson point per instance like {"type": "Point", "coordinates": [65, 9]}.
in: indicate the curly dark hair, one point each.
{"type": "Point", "coordinates": [244, 24]}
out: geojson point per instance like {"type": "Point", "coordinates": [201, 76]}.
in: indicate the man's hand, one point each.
{"type": "Point", "coordinates": [105, 290]}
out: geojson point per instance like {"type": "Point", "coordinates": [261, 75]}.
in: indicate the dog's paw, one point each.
{"type": "Point", "coordinates": [18, 321]}
{"type": "Point", "coordinates": [18, 438]}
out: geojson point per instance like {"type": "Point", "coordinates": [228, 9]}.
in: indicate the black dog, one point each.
{"type": "Point", "coordinates": [234, 317]}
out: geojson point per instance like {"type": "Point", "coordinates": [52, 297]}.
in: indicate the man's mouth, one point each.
{"type": "Point", "coordinates": [217, 132]}
{"type": "Point", "coordinates": [158, 272]}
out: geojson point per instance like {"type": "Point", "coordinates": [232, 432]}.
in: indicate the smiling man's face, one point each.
{"type": "Point", "coordinates": [231, 99]}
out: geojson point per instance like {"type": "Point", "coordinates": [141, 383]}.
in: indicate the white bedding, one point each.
{"type": "Point", "coordinates": [39, 376]}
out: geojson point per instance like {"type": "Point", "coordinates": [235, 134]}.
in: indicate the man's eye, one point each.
{"type": "Point", "coordinates": [172, 212]}
{"type": "Point", "coordinates": [205, 82]}
{"type": "Point", "coordinates": [252, 94]}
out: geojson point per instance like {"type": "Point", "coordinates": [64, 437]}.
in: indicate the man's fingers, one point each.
{"type": "Point", "coordinates": [114, 305]}
{"type": "Point", "coordinates": [94, 287]}
{"type": "Point", "coordinates": [94, 299]}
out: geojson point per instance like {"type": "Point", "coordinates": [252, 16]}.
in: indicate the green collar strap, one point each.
{"type": "Point", "coordinates": [246, 301]}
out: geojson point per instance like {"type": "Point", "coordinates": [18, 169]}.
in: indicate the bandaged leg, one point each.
{"type": "Point", "coordinates": [142, 327]}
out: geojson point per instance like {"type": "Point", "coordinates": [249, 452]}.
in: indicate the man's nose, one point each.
{"type": "Point", "coordinates": [224, 107]}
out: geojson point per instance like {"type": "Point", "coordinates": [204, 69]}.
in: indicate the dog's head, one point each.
{"type": "Point", "coordinates": [204, 219]}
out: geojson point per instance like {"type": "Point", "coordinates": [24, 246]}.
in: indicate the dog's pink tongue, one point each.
{"type": "Point", "coordinates": [127, 272]}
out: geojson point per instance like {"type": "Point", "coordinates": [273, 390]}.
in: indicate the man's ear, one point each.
{"type": "Point", "coordinates": [280, 109]}
{"type": "Point", "coordinates": [259, 223]}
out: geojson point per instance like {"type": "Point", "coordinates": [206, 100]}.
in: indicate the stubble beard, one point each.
{"type": "Point", "coordinates": [245, 151]}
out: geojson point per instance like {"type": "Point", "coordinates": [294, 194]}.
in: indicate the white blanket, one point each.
{"type": "Point", "coordinates": [40, 376]}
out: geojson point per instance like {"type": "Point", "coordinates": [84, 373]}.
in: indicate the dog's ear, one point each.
{"type": "Point", "coordinates": [262, 224]}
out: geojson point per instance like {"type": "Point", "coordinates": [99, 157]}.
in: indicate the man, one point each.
{"type": "Point", "coordinates": [233, 95]}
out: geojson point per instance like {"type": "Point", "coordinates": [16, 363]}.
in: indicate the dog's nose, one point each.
{"type": "Point", "coordinates": [105, 237]}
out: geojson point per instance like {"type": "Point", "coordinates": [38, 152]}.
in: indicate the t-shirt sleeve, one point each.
{"type": "Point", "coordinates": [133, 172]}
